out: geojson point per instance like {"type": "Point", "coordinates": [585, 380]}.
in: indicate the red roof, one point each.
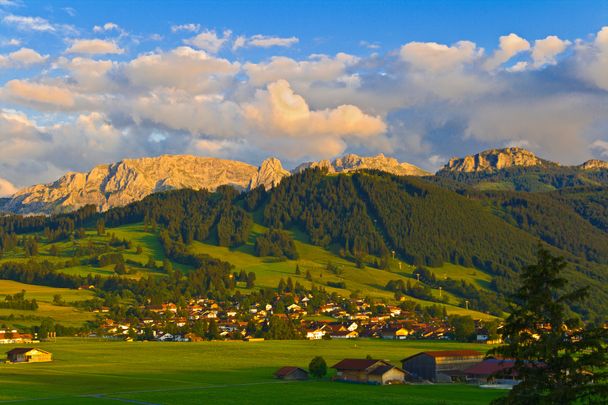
{"type": "Point", "coordinates": [354, 364]}
{"type": "Point", "coordinates": [491, 366]}
{"type": "Point", "coordinates": [449, 353]}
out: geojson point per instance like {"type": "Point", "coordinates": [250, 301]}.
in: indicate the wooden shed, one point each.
{"type": "Point", "coordinates": [291, 373]}
{"type": "Point", "coordinates": [28, 355]}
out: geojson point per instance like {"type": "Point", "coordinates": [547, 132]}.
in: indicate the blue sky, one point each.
{"type": "Point", "coordinates": [85, 83]}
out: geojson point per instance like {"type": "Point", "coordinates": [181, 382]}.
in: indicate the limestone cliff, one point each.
{"type": "Point", "coordinates": [269, 174]}
{"type": "Point", "coordinates": [495, 159]}
{"type": "Point", "coordinates": [352, 162]}
{"type": "Point", "coordinates": [593, 164]}
{"type": "Point", "coordinates": [120, 183]}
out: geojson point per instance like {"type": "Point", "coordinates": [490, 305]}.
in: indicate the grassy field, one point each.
{"type": "Point", "coordinates": [98, 372]}
{"type": "Point", "coordinates": [68, 315]}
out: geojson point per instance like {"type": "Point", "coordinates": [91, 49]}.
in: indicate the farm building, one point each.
{"type": "Point", "coordinates": [492, 371]}
{"type": "Point", "coordinates": [441, 366]}
{"type": "Point", "coordinates": [291, 373]}
{"type": "Point", "coordinates": [368, 372]}
{"type": "Point", "coordinates": [28, 355]}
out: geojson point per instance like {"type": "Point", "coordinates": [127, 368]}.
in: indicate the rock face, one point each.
{"type": "Point", "coordinates": [269, 174]}
{"type": "Point", "coordinates": [495, 159]}
{"type": "Point", "coordinates": [120, 183]}
{"type": "Point", "coordinates": [351, 162]}
{"type": "Point", "coordinates": [593, 164]}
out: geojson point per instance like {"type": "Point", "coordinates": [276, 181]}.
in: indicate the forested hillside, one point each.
{"type": "Point", "coordinates": [370, 219]}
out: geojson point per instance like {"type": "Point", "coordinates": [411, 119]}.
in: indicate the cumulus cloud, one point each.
{"type": "Point", "coordinates": [11, 42]}
{"type": "Point", "coordinates": [593, 59]}
{"type": "Point", "coordinates": [509, 46]}
{"type": "Point", "coordinates": [439, 57]}
{"type": "Point", "coordinates": [316, 68]}
{"type": "Point", "coordinates": [7, 188]}
{"type": "Point", "coordinates": [24, 57]}
{"type": "Point", "coordinates": [209, 41]}
{"type": "Point", "coordinates": [37, 93]}
{"type": "Point", "coordinates": [278, 109]}
{"type": "Point", "coordinates": [422, 102]}
{"type": "Point", "coordinates": [94, 47]}
{"type": "Point", "coordinates": [545, 50]}
{"type": "Point", "coordinates": [601, 146]}
{"type": "Point", "coordinates": [183, 67]}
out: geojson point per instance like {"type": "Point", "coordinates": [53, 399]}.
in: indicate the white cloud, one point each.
{"type": "Point", "coordinates": [184, 68]}
{"type": "Point", "coordinates": [109, 26]}
{"type": "Point", "coordinates": [209, 41]}
{"type": "Point", "coordinates": [37, 93]}
{"type": "Point", "coordinates": [593, 59]}
{"type": "Point", "coordinates": [7, 188]}
{"type": "Point", "coordinates": [94, 47]}
{"type": "Point", "coordinates": [25, 23]}
{"type": "Point", "coordinates": [317, 68]}
{"type": "Point", "coordinates": [601, 146]}
{"type": "Point", "coordinates": [11, 42]}
{"type": "Point", "coordinates": [545, 50]}
{"type": "Point", "coordinates": [186, 27]}
{"type": "Point", "coordinates": [438, 57]}
{"type": "Point", "coordinates": [267, 41]}
{"type": "Point", "coordinates": [510, 45]}
{"type": "Point", "coordinates": [24, 57]}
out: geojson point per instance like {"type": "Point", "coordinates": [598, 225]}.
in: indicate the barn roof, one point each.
{"type": "Point", "coordinates": [491, 366]}
{"type": "Point", "coordinates": [448, 353]}
{"type": "Point", "coordinates": [355, 364]}
{"type": "Point", "coordinates": [20, 350]}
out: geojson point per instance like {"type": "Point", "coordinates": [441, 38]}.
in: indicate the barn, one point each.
{"type": "Point", "coordinates": [28, 355]}
{"type": "Point", "coordinates": [367, 371]}
{"type": "Point", "coordinates": [291, 373]}
{"type": "Point", "coordinates": [441, 365]}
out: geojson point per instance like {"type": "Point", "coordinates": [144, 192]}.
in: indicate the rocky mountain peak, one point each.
{"type": "Point", "coordinates": [593, 164]}
{"type": "Point", "coordinates": [269, 174]}
{"type": "Point", "coordinates": [352, 162]}
{"type": "Point", "coordinates": [129, 180]}
{"type": "Point", "coordinates": [495, 159]}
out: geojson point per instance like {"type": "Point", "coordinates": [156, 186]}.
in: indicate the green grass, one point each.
{"type": "Point", "coordinates": [66, 315]}
{"type": "Point", "coordinates": [96, 372]}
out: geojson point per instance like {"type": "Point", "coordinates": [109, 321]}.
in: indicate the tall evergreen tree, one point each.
{"type": "Point", "coordinates": [558, 361]}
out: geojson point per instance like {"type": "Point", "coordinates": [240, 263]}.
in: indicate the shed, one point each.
{"type": "Point", "coordinates": [368, 371]}
{"type": "Point", "coordinates": [291, 373]}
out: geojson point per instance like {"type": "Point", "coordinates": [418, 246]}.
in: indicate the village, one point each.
{"type": "Point", "coordinates": [208, 319]}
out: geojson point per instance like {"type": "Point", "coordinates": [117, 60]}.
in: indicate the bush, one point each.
{"type": "Point", "coordinates": [318, 367]}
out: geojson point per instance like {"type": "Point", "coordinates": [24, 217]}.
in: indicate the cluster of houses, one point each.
{"type": "Point", "coordinates": [442, 366]}
{"type": "Point", "coordinates": [13, 336]}
{"type": "Point", "coordinates": [232, 320]}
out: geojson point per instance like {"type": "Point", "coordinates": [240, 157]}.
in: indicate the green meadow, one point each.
{"type": "Point", "coordinates": [101, 372]}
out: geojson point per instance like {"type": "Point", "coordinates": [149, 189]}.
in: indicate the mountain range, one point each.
{"type": "Point", "coordinates": [120, 183]}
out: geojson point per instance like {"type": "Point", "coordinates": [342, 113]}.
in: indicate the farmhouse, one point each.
{"type": "Point", "coordinates": [13, 336]}
{"type": "Point", "coordinates": [291, 373]}
{"type": "Point", "coordinates": [441, 366]}
{"type": "Point", "coordinates": [368, 372]}
{"type": "Point", "coordinates": [28, 355]}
